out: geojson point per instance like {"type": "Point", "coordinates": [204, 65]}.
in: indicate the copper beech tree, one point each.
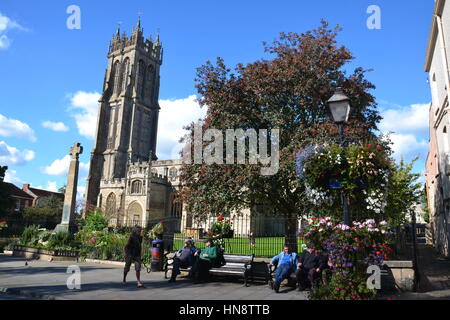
{"type": "Point", "coordinates": [287, 92]}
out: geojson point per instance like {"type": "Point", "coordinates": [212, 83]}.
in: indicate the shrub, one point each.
{"type": "Point", "coordinates": [95, 221]}
{"type": "Point", "coordinates": [30, 236]}
{"type": "Point", "coordinates": [60, 240]}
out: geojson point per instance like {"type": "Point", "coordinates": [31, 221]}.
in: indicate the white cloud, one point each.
{"type": "Point", "coordinates": [80, 192]}
{"type": "Point", "coordinates": [11, 177]}
{"type": "Point", "coordinates": [86, 106]}
{"type": "Point", "coordinates": [60, 167]}
{"type": "Point", "coordinates": [173, 116]}
{"type": "Point", "coordinates": [15, 128]}
{"type": "Point", "coordinates": [409, 129]}
{"type": "Point", "coordinates": [55, 126]}
{"type": "Point", "coordinates": [406, 119]}
{"type": "Point", "coordinates": [7, 24]}
{"type": "Point", "coordinates": [13, 156]}
{"type": "Point", "coordinates": [51, 186]}
{"type": "Point", "coordinates": [408, 146]}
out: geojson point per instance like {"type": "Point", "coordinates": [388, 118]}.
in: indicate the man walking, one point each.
{"type": "Point", "coordinates": [286, 264]}
{"type": "Point", "coordinates": [184, 258]}
{"type": "Point", "coordinates": [133, 254]}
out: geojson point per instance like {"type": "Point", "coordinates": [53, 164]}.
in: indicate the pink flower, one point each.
{"type": "Point", "coordinates": [220, 218]}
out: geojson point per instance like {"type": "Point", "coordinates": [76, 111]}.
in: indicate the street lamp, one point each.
{"type": "Point", "coordinates": [339, 105]}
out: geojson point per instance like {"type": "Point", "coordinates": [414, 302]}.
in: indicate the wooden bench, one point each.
{"type": "Point", "coordinates": [235, 265]}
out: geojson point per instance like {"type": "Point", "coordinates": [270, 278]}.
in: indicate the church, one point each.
{"type": "Point", "coordinates": [125, 179]}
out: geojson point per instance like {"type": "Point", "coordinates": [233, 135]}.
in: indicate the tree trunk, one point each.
{"type": "Point", "coordinates": [290, 224]}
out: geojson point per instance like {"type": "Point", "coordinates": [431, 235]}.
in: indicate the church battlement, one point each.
{"type": "Point", "coordinates": [115, 181]}
{"type": "Point", "coordinates": [120, 42]}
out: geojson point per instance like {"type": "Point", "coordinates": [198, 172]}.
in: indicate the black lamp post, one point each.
{"type": "Point", "coordinates": [339, 105]}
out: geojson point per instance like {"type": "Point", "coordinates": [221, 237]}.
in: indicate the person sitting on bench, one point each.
{"type": "Point", "coordinates": [184, 258]}
{"type": "Point", "coordinates": [286, 264]}
{"type": "Point", "coordinates": [206, 260]}
{"type": "Point", "coordinates": [310, 266]}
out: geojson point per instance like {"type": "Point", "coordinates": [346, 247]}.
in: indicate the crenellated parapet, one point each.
{"type": "Point", "coordinates": [121, 42]}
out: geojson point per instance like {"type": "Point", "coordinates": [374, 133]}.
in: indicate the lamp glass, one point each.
{"type": "Point", "coordinates": [340, 111]}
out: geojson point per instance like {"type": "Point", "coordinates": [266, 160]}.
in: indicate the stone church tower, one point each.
{"type": "Point", "coordinates": [127, 120]}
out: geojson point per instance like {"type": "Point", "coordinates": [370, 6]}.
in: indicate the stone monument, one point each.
{"type": "Point", "coordinates": [67, 221]}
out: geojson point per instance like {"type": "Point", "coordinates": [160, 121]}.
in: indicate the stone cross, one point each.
{"type": "Point", "coordinates": [76, 150]}
{"type": "Point", "coordinates": [67, 221]}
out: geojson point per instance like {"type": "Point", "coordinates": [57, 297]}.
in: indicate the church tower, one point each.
{"type": "Point", "coordinates": [128, 110]}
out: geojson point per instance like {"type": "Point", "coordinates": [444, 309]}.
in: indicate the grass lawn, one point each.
{"type": "Point", "coordinates": [264, 247]}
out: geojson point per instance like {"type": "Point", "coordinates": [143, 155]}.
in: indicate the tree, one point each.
{"type": "Point", "coordinates": [48, 209]}
{"type": "Point", "coordinates": [6, 203]}
{"type": "Point", "coordinates": [404, 193]}
{"type": "Point", "coordinates": [289, 93]}
{"type": "Point", "coordinates": [62, 189]}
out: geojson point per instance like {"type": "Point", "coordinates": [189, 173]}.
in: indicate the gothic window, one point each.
{"type": "Point", "coordinates": [117, 77]}
{"type": "Point", "coordinates": [124, 74]}
{"type": "Point", "coordinates": [150, 80]}
{"type": "Point", "coordinates": [173, 172]}
{"type": "Point", "coordinates": [141, 79]}
{"type": "Point", "coordinates": [134, 214]}
{"type": "Point", "coordinates": [111, 208]}
{"type": "Point", "coordinates": [136, 187]}
{"type": "Point", "coordinates": [112, 79]}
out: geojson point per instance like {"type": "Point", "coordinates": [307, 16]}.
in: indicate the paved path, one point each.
{"type": "Point", "coordinates": [434, 273]}
{"type": "Point", "coordinates": [41, 279]}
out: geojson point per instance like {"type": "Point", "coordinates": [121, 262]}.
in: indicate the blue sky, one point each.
{"type": "Point", "coordinates": [51, 76]}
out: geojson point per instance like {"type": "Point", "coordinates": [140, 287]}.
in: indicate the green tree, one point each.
{"type": "Point", "coordinates": [49, 209]}
{"type": "Point", "coordinates": [404, 193]}
{"type": "Point", "coordinates": [426, 209]}
{"type": "Point", "coordinates": [289, 93]}
{"type": "Point", "coordinates": [6, 203]}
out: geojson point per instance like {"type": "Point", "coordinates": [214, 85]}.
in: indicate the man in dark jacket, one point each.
{"type": "Point", "coordinates": [133, 254]}
{"type": "Point", "coordinates": [184, 258]}
{"type": "Point", "coordinates": [310, 266]}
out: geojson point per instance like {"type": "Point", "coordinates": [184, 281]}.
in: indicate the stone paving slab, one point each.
{"type": "Point", "coordinates": [103, 282]}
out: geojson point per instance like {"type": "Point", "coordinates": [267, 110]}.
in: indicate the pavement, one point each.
{"type": "Point", "coordinates": [434, 276]}
{"type": "Point", "coordinates": [48, 280]}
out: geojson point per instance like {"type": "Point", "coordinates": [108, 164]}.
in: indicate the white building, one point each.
{"type": "Point", "coordinates": [438, 162]}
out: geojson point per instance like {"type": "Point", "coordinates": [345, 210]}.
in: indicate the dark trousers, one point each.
{"type": "Point", "coordinates": [177, 264]}
{"type": "Point", "coordinates": [283, 272]}
{"type": "Point", "coordinates": [200, 269]}
{"type": "Point", "coordinates": [306, 277]}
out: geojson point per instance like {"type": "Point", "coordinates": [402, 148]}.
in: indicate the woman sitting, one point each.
{"type": "Point", "coordinates": [205, 261]}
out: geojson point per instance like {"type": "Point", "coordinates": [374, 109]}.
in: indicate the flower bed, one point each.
{"type": "Point", "coordinates": [349, 252]}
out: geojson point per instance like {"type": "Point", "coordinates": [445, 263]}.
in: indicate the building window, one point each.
{"type": "Point", "coordinates": [173, 172]}
{"type": "Point", "coordinates": [434, 91]}
{"type": "Point", "coordinates": [111, 206]}
{"type": "Point", "coordinates": [17, 205]}
{"type": "Point", "coordinates": [136, 187]}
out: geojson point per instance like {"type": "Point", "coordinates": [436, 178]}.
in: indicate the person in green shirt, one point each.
{"type": "Point", "coordinates": [205, 261]}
